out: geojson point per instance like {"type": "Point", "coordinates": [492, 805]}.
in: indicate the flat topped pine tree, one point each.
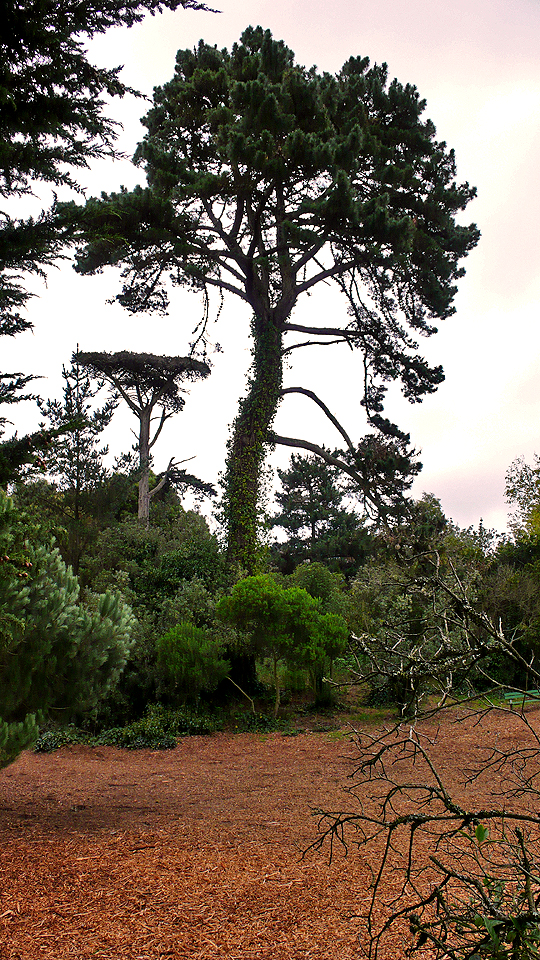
{"type": "Point", "coordinates": [146, 381]}
{"type": "Point", "coordinates": [264, 180]}
{"type": "Point", "coordinates": [52, 125]}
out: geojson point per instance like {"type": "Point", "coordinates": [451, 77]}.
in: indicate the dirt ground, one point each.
{"type": "Point", "coordinates": [188, 853]}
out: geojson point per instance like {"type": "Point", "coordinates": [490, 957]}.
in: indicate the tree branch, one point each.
{"type": "Point", "coordinates": [321, 331]}
{"type": "Point", "coordinates": [313, 343]}
{"type": "Point", "coordinates": [328, 458]}
{"type": "Point", "coordinates": [224, 285]}
{"type": "Point", "coordinates": [334, 271]}
{"type": "Point", "coordinates": [313, 396]}
{"type": "Point", "coordinates": [164, 416]}
{"type": "Point", "coordinates": [161, 483]}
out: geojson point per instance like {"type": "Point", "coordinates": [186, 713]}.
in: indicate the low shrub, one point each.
{"type": "Point", "coordinates": [247, 722]}
{"type": "Point", "coordinates": [159, 729]}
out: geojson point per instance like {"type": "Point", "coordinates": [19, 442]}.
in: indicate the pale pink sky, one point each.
{"type": "Point", "coordinates": [476, 64]}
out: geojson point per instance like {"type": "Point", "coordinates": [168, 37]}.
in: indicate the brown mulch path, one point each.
{"type": "Point", "coordinates": [193, 853]}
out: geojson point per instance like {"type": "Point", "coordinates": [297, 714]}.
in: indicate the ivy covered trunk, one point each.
{"type": "Point", "coordinates": [248, 442]}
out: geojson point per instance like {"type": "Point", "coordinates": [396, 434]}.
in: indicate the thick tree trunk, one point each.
{"type": "Point", "coordinates": [247, 444]}
{"type": "Point", "coordinates": [144, 465]}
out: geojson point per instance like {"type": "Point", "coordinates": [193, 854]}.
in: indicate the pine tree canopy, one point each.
{"type": "Point", "coordinates": [144, 378]}
{"type": "Point", "coordinates": [256, 165]}
{"type": "Point", "coordinates": [266, 178]}
{"type": "Point", "coordinates": [146, 381]}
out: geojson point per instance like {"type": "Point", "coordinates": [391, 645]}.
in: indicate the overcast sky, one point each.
{"type": "Point", "coordinates": [476, 64]}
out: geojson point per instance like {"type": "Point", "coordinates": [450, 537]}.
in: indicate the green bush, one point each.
{"type": "Point", "coordinates": [285, 624]}
{"type": "Point", "coordinates": [59, 654]}
{"type": "Point", "coordinates": [192, 662]}
{"type": "Point", "coordinates": [51, 740]}
{"type": "Point", "coordinates": [16, 737]}
{"type": "Point", "coordinates": [159, 729]}
{"type": "Point", "coordinates": [247, 722]}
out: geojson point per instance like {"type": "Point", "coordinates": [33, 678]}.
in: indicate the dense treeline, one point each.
{"type": "Point", "coordinates": [181, 621]}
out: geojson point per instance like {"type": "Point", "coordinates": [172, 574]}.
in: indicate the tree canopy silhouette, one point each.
{"type": "Point", "coordinates": [52, 125]}
{"type": "Point", "coordinates": [265, 179]}
{"type": "Point", "coordinates": [145, 382]}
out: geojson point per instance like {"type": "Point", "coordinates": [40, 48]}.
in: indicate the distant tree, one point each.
{"type": "Point", "coordinates": [511, 587]}
{"type": "Point", "coordinates": [398, 600]}
{"type": "Point", "coordinates": [522, 491]}
{"type": "Point", "coordinates": [264, 179]}
{"type": "Point", "coordinates": [52, 125]}
{"type": "Point", "coordinates": [74, 462]}
{"type": "Point", "coordinates": [310, 500]}
{"type": "Point", "coordinates": [318, 515]}
{"type": "Point", "coordinates": [145, 382]}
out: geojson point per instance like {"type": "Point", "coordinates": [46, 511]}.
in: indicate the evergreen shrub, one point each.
{"type": "Point", "coordinates": [191, 662]}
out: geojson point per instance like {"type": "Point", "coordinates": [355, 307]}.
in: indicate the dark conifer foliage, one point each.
{"type": "Point", "coordinates": [51, 95]}
{"type": "Point", "coordinates": [73, 462]}
{"type": "Point", "coordinates": [51, 126]}
{"type": "Point", "coordinates": [320, 519]}
{"type": "Point", "coordinates": [309, 499]}
{"type": "Point", "coordinates": [51, 118]}
{"type": "Point", "coordinates": [264, 179]}
{"type": "Point", "coordinates": [146, 383]}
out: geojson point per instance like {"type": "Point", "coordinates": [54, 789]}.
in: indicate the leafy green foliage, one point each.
{"type": "Point", "coordinates": [410, 637]}
{"type": "Point", "coordinates": [16, 737]}
{"type": "Point", "coordinates": [57, 655]}
{"type": "Point", "coordinates": [522, 491]}
{"type": "Point", "coordinates": [283, 623]}
{"type": "Point", "coordinates": [168, 573]}
{"type": "Point", "coordinates": [192, 660]}
{"type": "Point", "coordinates": [248, 722]}
{"type": "Point", "coordinates": [158, 560]}
{"type": "Point", "coordinates": [264, 179]}
{"type": "Point", "coordinates": [510, 592]}
{"type": "Point", "coordinates": [322, 584]}
{"type": "Point", "coordinates": [158, 729]}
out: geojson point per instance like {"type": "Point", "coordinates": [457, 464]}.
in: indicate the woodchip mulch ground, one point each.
{"type": "Point", "coordinates": [191, 853]}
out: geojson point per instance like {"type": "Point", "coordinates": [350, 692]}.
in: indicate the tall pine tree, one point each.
{"type": "Point", "coordinates": [265, 179]}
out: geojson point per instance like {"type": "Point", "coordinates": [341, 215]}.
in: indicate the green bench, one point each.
{"type": "Point", "coordinates": [522, 698]}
